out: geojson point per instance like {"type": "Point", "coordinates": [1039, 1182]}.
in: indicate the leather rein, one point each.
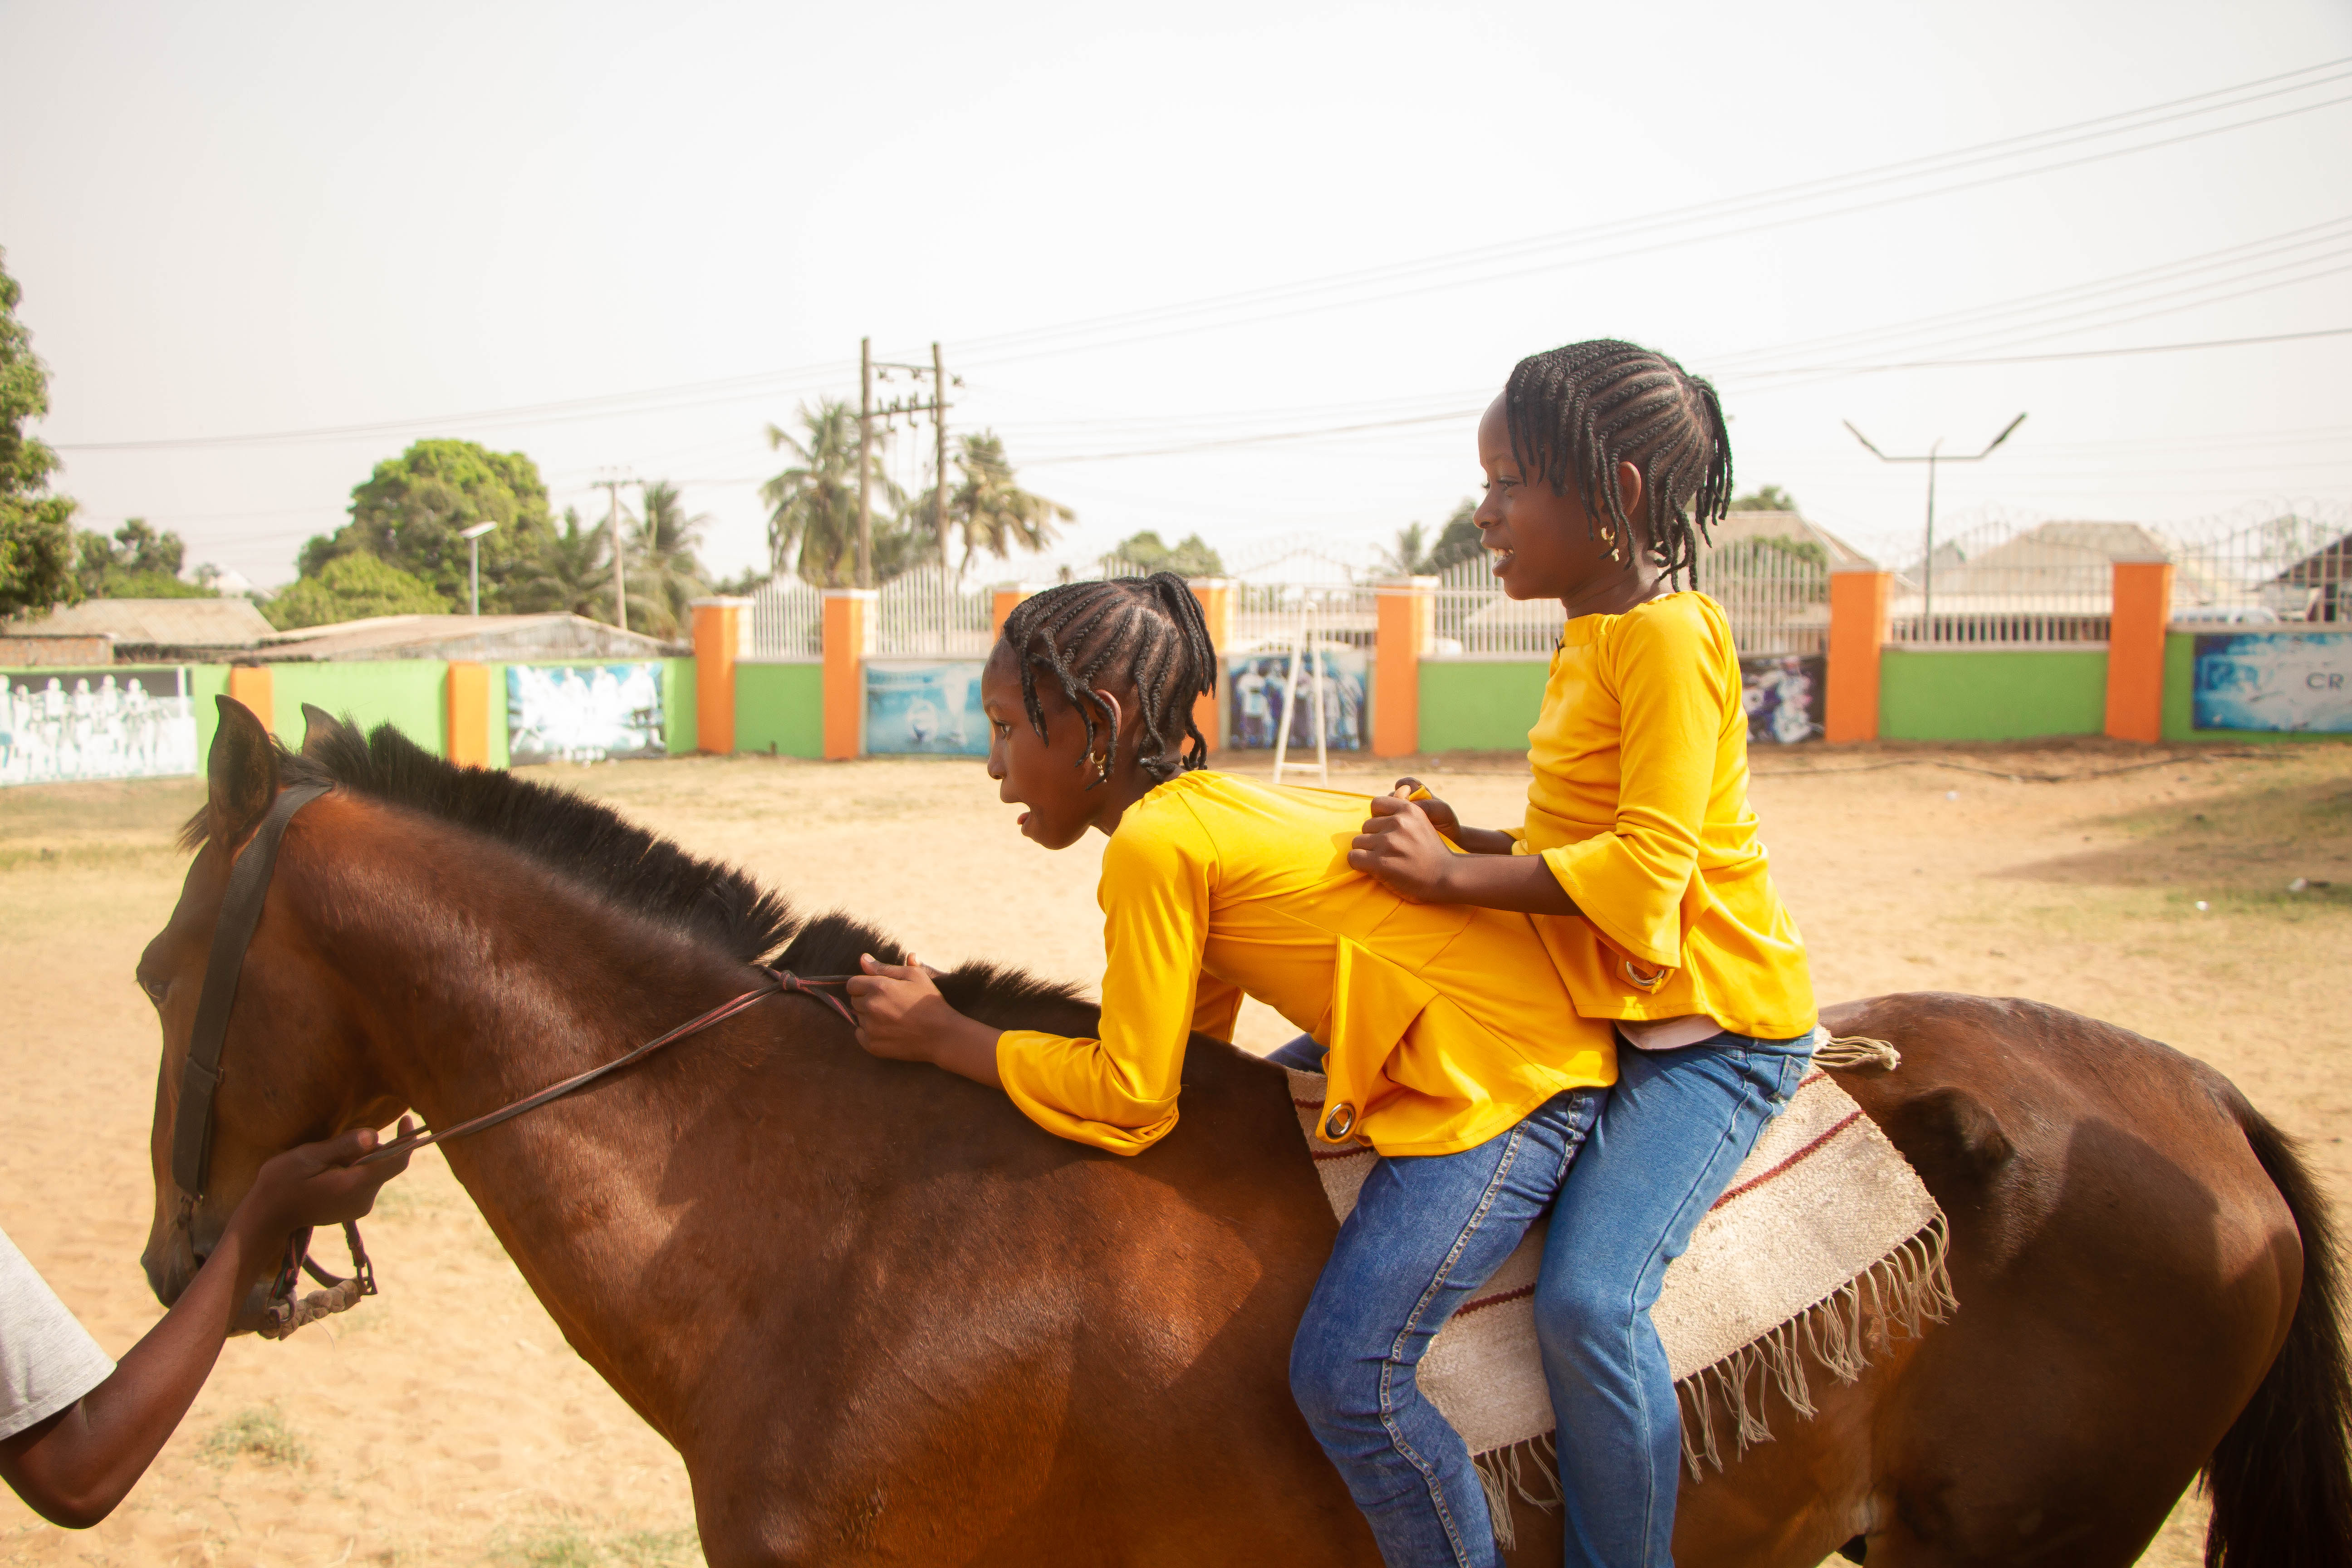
{"type": "Point", "coordinates": [201, 1076]}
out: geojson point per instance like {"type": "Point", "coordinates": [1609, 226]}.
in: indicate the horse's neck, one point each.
{"type": "Point", "coordinates": [581, 1192]}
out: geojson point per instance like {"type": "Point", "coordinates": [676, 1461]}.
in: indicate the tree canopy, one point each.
{"type": "Point", "coordinates": [350, 587]}
{"type": "Point", "coordinates": [988, 507]}
{"type": "Point", "coordinates": [409, 512]}
{"type": "Point", "coordinates": [37, 542]}
{"type": "Point", "coordinates": [1414, 555]}
{"type": "Point", "coordinates": [664, 573]}
{"type": "Point", "coordinates": [137, 563]}
{"type": "Point", "coordinates": [812, 504]}
{"type": "Point", "coordinates": [1192, 558]}
{"type": "Point", "coordinates": [1765, 498]}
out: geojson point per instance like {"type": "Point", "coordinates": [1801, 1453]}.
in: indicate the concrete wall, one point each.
{"type": "Point", "coordinates": [780, 709]}
{"type": "Point", "coordinates": [411, 693]}
{"type": "Point", "coordinates": [1480, 705]}
{"type": "Point", "coordinates": [1998, 695]}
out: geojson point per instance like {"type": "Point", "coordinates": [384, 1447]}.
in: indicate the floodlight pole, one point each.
{"type": "Point", "coordinates": [473, 538]}
{"type": "Point", "coordinates": [1931, 457]}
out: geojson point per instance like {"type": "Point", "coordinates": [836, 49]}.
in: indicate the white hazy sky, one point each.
{"type": "Point", "coordinates": [237, 219]}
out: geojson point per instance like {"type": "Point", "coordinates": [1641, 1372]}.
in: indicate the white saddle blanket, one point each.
{"type": "Point", "coordinates": [1825, 1214]}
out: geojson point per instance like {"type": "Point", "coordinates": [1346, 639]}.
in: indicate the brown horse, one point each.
{"type": "Point", "coordinates": [884, 1319]}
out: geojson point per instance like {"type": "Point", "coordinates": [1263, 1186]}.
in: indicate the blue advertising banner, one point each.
{"type": "Point", "coordinates": [584, 713]}
{"type": "Point", "coordinates": [2273, 680]}
{"type": "Point", "coordinates": [1260, 699]}
{"type": "Point", "coordinates": [1783, 694]}
{"type": "Point", "coordinates": [925, 709]}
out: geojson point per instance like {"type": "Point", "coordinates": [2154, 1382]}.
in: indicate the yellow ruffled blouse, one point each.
{"type": "Point", "coordinates": [1647, 827]}
{"type": "Point", "coordinates": [1443, 1024]}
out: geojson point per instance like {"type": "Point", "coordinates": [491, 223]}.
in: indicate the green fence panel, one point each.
{"type": "Point", "coordinates": [206, 684]}
{"type": "Point", "coordinates": [1480, 705]}
{"type": "Point", "coordinates": [411, 693]}
{"type": "Point", "coordinates": [1996, 695]}
{"type": "Point", "coordinates": [681, 706]}
{"type": "Point", "coordinates": [780, 709]}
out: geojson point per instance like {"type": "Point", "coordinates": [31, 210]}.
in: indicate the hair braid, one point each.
{"type": "Point", "coordinates": [1147, 634]}
{"type": "Point", "coordinates": [1575, 412]}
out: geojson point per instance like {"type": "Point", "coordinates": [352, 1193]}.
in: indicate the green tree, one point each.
{"type": "Point", "coordinates": [137, 563]}
{"type": "Point", "coordinates": [1765, 498]}
{"type": "Point", "coordinates": [665, 574]}
{"type": "Point", "coordinates": [988, 507]}
{"type": "Point", "coordinates": [812, 504]}
{"type": "Point", "coordinates": [1193, 558]}
{"type": "Point", "coordinates": [1415, 555]}
{"type": "Point", "coordinates": [350, 587]}
{"type": "Point", "coordinates": [409, 512]}
{"type": "Point", "coordinates": [36, 541]}
{"type": "Point", "coordinates": [573, 574]}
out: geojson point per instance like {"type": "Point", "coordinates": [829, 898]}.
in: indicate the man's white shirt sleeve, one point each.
{"type": "Point", "coordinates": [48, 1359]}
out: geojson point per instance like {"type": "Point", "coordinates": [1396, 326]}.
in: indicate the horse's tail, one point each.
{"type": "Point", "coordinates": [2281, 1478]}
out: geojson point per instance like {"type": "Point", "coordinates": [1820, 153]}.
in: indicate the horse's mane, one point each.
{"type": "Point", "coordinates": [589, 843]}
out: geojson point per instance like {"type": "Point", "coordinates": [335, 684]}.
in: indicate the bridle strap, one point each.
{"type": "Point", "coordinates": [200, 1078]}
{"type": "Point", "coordinates": [782, 982]}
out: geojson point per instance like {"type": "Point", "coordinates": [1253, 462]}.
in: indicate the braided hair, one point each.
{"type": "Point", "coordinates": [1581, 410]}
{"type": "Point", "coordinates": [1145, 630]}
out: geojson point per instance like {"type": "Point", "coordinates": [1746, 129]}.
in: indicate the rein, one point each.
{"type": "Point", "coordinates": [201, 1076]}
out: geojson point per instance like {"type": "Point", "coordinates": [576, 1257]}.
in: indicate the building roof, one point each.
{"type": "Point", "coordinates": [170, 623]}
{"type": "Point", "coordinates": [489, 638]}
{"type": "Point", "coordinates": [1739, 525]}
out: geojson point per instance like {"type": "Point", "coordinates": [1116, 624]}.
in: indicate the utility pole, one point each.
{"type": "Point", "coordinates": [911, 406]}
{"type": "Point", "coordinates": [865, 468]}
{"type": "Point", "coordinates": [1933, 456]}
{"type": "Point", "coordinates": [620, 586]}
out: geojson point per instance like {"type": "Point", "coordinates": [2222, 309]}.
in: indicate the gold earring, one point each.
{"type": "Point", "coordinates": [1101, 760]}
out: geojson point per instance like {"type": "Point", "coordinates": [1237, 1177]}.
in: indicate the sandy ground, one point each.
{"type": "Point", "coordinates": [447, 1423]}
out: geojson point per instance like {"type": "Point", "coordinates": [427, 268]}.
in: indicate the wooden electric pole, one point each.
{"type": "Point", "coordinates": [936, 407]}
{"type": "Point", "coordinates": [620, 587]}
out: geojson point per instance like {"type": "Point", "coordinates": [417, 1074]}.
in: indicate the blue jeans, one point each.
{"type": "Point", "coordinates": [1429, 1230]}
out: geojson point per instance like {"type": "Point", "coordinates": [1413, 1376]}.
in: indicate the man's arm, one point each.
{"type": "Point", "coordinates": [74, 1467]}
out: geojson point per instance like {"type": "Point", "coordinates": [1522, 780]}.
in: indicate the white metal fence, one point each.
{"type": "Point", "coordinates": [926, 613]}
{"type": "Point", "coordinates": [787, 620]}
{"type": "Point", "coordinates": [2295, 566]}
{"type": "Point", "coordinates": [2000, 583]}
{"type": "Point", "coordinates": [1775, 592]}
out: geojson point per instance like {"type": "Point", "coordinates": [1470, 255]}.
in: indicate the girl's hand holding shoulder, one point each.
{"type": "Point", "coordinates": [901, 1016]}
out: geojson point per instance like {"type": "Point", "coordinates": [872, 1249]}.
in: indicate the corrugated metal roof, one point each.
{"type": "Point", "coordinates": [175, 623]}
{"type": "Point", "coordinates": [462, 637]}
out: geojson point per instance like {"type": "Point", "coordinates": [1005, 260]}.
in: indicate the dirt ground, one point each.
{"type": "Point", "coordinates": [446, 1422]}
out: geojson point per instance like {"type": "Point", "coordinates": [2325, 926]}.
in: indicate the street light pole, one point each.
{"type": "Point", "coordinates": [1931, 457]}
{"type": "Point", "coordinates": [473, 538]}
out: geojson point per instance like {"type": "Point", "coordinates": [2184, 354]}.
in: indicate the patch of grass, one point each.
{"type": "Point", "coordinates": [262, 1433]}
{"type": "Point", "coordinates": [571, 1547]}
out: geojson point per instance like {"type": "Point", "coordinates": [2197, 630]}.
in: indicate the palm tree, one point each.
{"type": "Point", "coordinates": [573, 572]}
{"type": "Point", "coordinates": [664, 573]}
{"type": "Point", "coordinates": [993, 512]}
{"type": "Point", "coordinates": [813, 505]}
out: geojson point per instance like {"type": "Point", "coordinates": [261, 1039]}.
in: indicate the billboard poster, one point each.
{"type": "Point", "coordinates": [2273, 680]}
{"type": "Point", "coordinates": [1783, 694]}
{"type": "Point", "coordinates": [584, 713]}
{"type": "Point", "coordinates": [925, 709]}
{"type": "Point", "coordinates": [1260, 700]}
{"type": "Point", "coordinates": [122, 722]}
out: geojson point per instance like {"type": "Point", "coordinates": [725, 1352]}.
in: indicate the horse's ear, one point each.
{"type": "Point", "coordinates": [241, 775]}
{"type": "Point", "coordinates": [320, 727]}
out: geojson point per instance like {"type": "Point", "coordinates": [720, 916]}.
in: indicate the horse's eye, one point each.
{"type": "Point", "coordinates": [155, 987]}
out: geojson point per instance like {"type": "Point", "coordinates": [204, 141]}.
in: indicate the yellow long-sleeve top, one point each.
{"type": "Point", "coordinates": [1639, 804]}
{"type": "Point", "coordinates": [1443, 1024]}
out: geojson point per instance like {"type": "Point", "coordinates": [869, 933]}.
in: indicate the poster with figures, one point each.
{"type": "Point", "coordinates": [584, 713]}
{"type": "Point", "coordinates": [1259, 700]}
{"type": "Point", "coordinates": [1783, 694]}
{"type": "Point", "coordinates": [925, 709]}
{"type": "Point", "coordinates": [75, 725]}
{"type": "Point", "coordinates": [2273, 680]}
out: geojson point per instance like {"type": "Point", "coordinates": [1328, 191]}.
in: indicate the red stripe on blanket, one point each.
{"type": "Point", "coordinates": [1758, 1181]}
{"type": "Point", "coordinates": [1484, 1302]}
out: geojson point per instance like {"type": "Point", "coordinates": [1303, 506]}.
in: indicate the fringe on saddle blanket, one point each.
{"type": "Point", "coordinates": [1823, 1248]}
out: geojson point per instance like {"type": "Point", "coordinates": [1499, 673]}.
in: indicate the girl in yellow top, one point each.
{"type": "Point", "coordinates": [1454, 1045]}
{"type": "Point", "coordinates": [1640, 862]}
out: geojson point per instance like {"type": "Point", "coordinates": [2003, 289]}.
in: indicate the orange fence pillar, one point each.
{"type": "Point", "coordinates": [2143, 608]}
{"type": "Point", "coordinates": [249, 684]}
{"type": "Point", "coordinates": [1403, 630]}
{"type": "Point", "coordinates": [1857, 639]}
{"type": "Point", "coordinates": [469, 697]}
{"type": "Point", "coordinates": [722, 634]}
{"type": "Point", "coordinates": [848, 639]}
{"type": "Point", "coordinates": [1216, 596]}
{"type": "Point", "coordinates": [1002, 598]}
